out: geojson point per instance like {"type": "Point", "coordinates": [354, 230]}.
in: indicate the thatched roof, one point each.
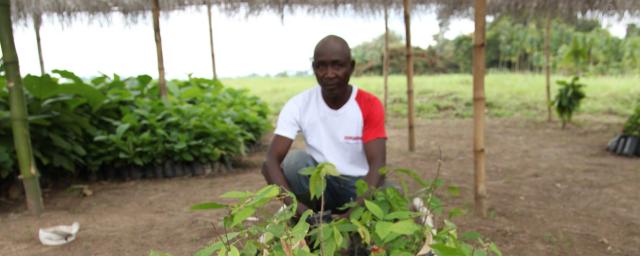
{"type": "Point", "coordinates": [132, 9]}
{"type": "Point", "coordinates": [67, 10]}
{"type": "Point", "coordinates": [539, 8]}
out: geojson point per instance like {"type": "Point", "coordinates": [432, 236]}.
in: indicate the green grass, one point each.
{"type": "Point", "coordinates": [449, 95]}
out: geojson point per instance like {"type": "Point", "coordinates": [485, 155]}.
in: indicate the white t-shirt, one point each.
{"type": "Point", "coordinates": [335, 136]}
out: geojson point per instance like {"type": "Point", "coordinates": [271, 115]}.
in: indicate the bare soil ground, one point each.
{"type": "Point", "coordinates": [551, 192]}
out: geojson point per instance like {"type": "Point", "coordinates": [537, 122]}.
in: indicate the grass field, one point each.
{"type": "Point", "coordinates": [449, 95]}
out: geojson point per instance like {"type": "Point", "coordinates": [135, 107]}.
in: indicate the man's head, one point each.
{"type": "Point", "coordinates": [332, 65]}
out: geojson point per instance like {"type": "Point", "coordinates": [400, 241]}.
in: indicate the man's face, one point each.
{"type": "Point", "coordinates": [333, 68]}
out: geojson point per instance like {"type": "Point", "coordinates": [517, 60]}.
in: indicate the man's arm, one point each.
{"type": "Point", "coordinates": [272, 170]}
{"type": "Point", "coordinates": [376, 154]}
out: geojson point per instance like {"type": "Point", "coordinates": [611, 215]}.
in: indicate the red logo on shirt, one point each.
{"type": "Point", "coordinates": [352, 138]}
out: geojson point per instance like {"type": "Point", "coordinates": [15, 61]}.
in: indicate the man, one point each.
{"type": "Point", "coordinates": [341, 124]}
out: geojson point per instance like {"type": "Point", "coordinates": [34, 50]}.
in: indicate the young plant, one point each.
{"type": "Point", "coordinates": [568, 99]}
{"type": "Point", "coordinates": [113, 122]}
{"type": "Point", "coordinates": [632, 126]}
{"type": "Point", "coordinates": [391, 221]}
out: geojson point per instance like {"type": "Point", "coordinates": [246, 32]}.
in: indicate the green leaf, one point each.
{"type": "Point", "coordinates": [236, 195]}
{"type": "Point", "coordinates": [405, 227]}
{"type": "Point", "coordinates": [307, 171]}
{"type": "Point", "coordinates": [208, 206]}
{"type": "Point", "coordinates": [210, 249]}
{"type": "Point", "coordinates": [277, 229]}
{"type": "Point", "coordinates": [59, 141]}
{"type": "Point", "coordinates": [143, 80]}
{"type": "Point", "coordinates": [413, 175]}
{"type": "Point", "coordinates": [444, 250]}
{"type": "Point", "coordinates": [68, 75]}
{"type": "Point", "coordinates": [328, 169]}
{"type": "Point", "coordinates": [337, 236]}
{"type": "Point", "coordinates": [300, 230]}
{"type": "Point", "coordinates": [94, 97]}
{"type": "Point", "coordinates": [479, 253]}
{"type": "Point", "coordinates": [361, 187]}
{"type": "Point", "coordinates": [79, 150]}
{"type": "Point", "coordinates": [383, 229]}
{"type": "Point", "coordinates": [270, 191]}
{"type": "Point", "coordinates": [234, 251]}
{"type": "Point", "coordinates": [401, 215]}
{"type": "Point", "coordinates": [40, 87]}
{"type": "Point", "coordinates": [250, 248]}
{"type": "Point", "coordinates": [494, 248]}
{"type": "Point", "coordinates": [374, 208]}
{"type": "Point", "coordinates": [242, 215]}
{"type": "Point", "coordinates": [191, 93]}
{"type": "Point", "coordinates": [384, 170]}
{"type": "Point", "coordinates": [317, 184]}
{"type": "Point", "coordinates": [362, 231]}
{"type": "Point", "coordinates": [122, 129]}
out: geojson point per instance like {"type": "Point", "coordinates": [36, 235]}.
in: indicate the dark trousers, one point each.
{"type": "Point", "coordinates": [339, 190]}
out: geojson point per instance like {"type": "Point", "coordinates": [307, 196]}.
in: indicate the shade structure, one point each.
{"type": "Point", "coordinates": [444, 8]}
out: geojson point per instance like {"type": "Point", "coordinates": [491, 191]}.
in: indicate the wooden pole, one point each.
{"type": "Point", "coordinates": [213, 58]}
{"type": "Point", "coordinates": [479, 108]}
{"type": "Point", "coordinates": [385, 58]}
{"type": "Point", "coordinates": [547, 64]}
{"type": "Point", "coordinates": [407, 27]}
{"type": "Point", "coordinates": [37, 22]}
{"type": "Point", "coordinates": [162, 83]}
{"type": "Point", "coordinates": [20, 126]}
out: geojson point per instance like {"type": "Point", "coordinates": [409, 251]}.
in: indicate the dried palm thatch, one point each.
{"type": "Point", "coordinates": [23, 10]}
{"type": "Point", "coordinates": [69, 10]}
{"type": "Point", "coordinates": [536, 8]}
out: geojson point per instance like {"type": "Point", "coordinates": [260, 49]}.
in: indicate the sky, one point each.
{"type": "Point", "coordinates": [261, 45]}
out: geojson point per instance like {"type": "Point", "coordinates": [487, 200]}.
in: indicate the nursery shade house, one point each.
{"type": "Point", "coordinates": [23, 11]}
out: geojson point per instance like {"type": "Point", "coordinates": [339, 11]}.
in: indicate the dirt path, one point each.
{"type": "Point", "coordinates": [551, 192]}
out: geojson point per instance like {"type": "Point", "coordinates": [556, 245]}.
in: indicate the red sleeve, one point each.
{"type": "Point", "coordinates": [372, 116]}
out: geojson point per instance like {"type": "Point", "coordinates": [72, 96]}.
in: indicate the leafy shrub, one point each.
{"type": "Point", "coordinates": [387, 223]}
{"type": "Point", "coordinates": [568, 99]}
{"type": "Point", "coordinates": [110, 122]}
{"type": "Point", "coordinates": [632, 126]}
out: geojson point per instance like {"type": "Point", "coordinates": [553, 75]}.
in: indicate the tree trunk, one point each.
{"type": "Point", "coordinates": [19, 124]}
{"type": "Point", "coordinates": [162, 83]}
{"type": "Point", "coordinates": [407, 27]}
{"type": "Point", "coordinates": [547, 64]}
{"type": "Point", "coordinates": [213, 59]}
{"type": "Point", "coordinates": [385, 59]}
{"type": "Point", "coordinates": [479, 108]}
{"type": "Point", "coordinates": [37, 22]}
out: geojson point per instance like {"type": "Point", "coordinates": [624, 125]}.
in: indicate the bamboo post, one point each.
{"type": "Point", "coordinates": [407, 27]}
{"type": "Point", "coordinates": [547, 64]}
{"type": "Point", "coordinates": [37, 22]}
{"type": "Point", "coordinates": [162, 83]}
{"type": "Point", "coordinates": [385, 58]}
{"type": "Point", "coordinates": [213, 59]}
{"type": "Point", "coordinates": [479, 108]}
{"type": "Point", "coordinates": [19, 124]}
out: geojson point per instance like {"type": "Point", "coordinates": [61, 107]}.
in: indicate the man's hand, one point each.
{"type": "Point", "coordinates": [314, 219]}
